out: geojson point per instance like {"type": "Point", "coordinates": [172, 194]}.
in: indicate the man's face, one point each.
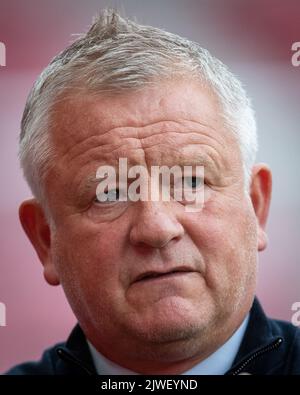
{"type": "Point", "coordinates": [99, 250]}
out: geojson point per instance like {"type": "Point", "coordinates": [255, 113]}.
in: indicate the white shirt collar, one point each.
{"type": "Point", "coordinates": [217, 363]}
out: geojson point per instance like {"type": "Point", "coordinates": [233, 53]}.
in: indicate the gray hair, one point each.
{"type": "Point", "coordinates": [118, 55]}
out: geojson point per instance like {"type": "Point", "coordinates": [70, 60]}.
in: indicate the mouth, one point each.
{"type": "Point", "coordinates": [155, 275]}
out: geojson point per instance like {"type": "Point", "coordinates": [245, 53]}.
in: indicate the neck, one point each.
{"type": "Point", "coordinates": [172, 358]}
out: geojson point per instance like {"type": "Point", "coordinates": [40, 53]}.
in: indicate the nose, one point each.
{"type": "Point", "coordinates": [154, 225]}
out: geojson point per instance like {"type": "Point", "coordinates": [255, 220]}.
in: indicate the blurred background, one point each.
{"type": "Point", "coordinates": [253, 37]}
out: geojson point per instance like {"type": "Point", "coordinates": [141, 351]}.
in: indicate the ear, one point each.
{"type": "Point", "coordinates": [260, 193]}
{"type": "Point", "coordinates": [38, 231]}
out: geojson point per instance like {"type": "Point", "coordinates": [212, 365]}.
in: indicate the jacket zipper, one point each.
{"type": "Point", "coordinates": [270, 347]}
{"type": "Point", "coordinates": [68, 357]}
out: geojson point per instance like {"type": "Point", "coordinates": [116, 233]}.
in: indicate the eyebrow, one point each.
{"type": "Point", "coordinates": [201, 159]}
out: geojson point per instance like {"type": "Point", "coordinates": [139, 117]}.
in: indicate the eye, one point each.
{"type": "Point", "coordinates": [192, 182]}
{"type": "Point", "coordinates": [111, 195]}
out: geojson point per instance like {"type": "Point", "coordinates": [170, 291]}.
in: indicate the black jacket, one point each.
{"type": "Point", "coordinates": [269, 347]}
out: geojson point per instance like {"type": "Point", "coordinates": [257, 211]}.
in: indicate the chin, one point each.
{"type": "Point", "coordinates": [174, 320]}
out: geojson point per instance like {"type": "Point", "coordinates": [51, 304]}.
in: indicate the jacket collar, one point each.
{"type": "Point", "coordinates": [257, 346]}
{"type": "Point", "coordinates": [75, 354]}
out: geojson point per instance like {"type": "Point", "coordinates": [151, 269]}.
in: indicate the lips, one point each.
{"type": "Point", "coordinates": [154, 274]}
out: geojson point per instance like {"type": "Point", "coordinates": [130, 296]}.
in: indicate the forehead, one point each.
{"type": "Point", "coordinates": [166, 101]}
{"type": "Point", "coordinates": [176, 115]}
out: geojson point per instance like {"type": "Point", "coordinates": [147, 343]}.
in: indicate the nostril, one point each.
{"type": "Point", "coordinates": [154, 227]}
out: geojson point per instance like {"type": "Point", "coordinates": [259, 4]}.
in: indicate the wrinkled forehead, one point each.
{"type": "Point", "coordinates": [80, 110]}
{"type": "Point", "coordinates": [167, 112]}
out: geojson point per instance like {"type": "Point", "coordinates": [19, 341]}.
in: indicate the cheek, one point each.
{"type": "Point", "coordinates": [89, 271]}
{"type": "Point", "coordinates": [87, 258]}
{"type": "Point", "coordinates": [226, 239]}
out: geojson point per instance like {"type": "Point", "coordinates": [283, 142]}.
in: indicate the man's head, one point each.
{"type": "Point", "coordinates": [125, 90]}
